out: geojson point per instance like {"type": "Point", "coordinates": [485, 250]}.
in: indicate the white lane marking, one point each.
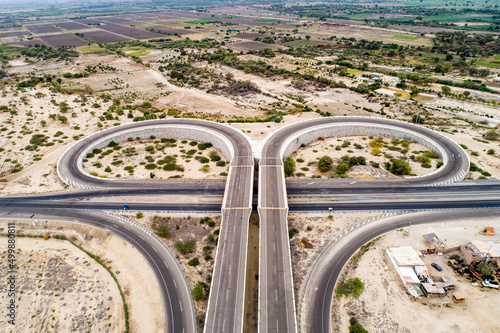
{"type": "Point", "coordinates": [175, 284]}
{"type": "Point", "coordinates": [155, 249]}
{"type": "Point", "coordinates": [165, 263]}
{"type": "Point", "coordinates": [310, 183]}
{"type": "Point", "coordinates": [180, 303]}
{"type": "Point", "coordinates": [141, 237]}
{"type": "Point", "coordinates": [352, 183]}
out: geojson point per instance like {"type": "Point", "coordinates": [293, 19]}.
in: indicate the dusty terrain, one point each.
{"type": "Point", "coordinates": [182, 159]}
{"type": "Point", "coordinates": [143, 299]}
{"type": "Point", "coordinates": [318, 230]}
{"type": "Point", "coordinates": [337, 147]}
{"type": "Point", "coordinates": [61, 289]}
{"type": "Point", "coordinates": [384, 306]}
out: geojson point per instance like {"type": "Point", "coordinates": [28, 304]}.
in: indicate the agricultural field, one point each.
{"type": "Point", "coordinates": [42, 28]}
{"type": "Point", "coordinates": [71, 26]}
{"type": "Point", "coordinates": [60, 40]}
{"type": "Point", "coordinates": [129, 32]}
{"type": "Point", "coordinates": [101, 36]}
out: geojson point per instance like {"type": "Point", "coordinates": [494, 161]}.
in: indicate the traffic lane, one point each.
{"type": "Point", "coordinates": [179, 311]}
{"type": "Point", "coordinates": [274, 192]}
{"type": "Point", "coordinates": [394, 205]}
{"type": "Point", "coordinates": [110, 205]}
{"type": "Point", "coordinates": [277, 313]}
{"type": "Point", "coordinates": [227, 301]}
{"type": "Point", "coordinates": [352, 186]}
{"type": "Point", "coordinates": [239, 188]}
{"type": "Point", "coordinates": [327, 269]}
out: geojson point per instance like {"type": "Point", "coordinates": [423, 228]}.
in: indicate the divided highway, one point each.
{"type": "Point", "coordinates": [276, 298]}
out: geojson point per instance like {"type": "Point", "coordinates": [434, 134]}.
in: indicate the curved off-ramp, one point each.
{"type": "Point", "coordinates": [226, 300]}
{"type": "Point", "coordinates": [178, 308]}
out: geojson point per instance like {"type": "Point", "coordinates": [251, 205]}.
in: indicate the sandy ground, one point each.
{"type": "Point", "coordinates": [384, 306]}
{"type": "Point", "coordinates": [323, 228]}
{"type": "Point", "coordinates": [327, 147]}
{"type": "Point", "coordinates": [192, 167]}
{"type": "Point", "coordinates": [61, 289]}
{"type": "Point", "coordinates": [185, 227]}
{"type": "Point", "coordinates": [143, 299]}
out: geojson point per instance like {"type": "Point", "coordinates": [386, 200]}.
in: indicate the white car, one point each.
{"type": "Point", "coordinates": [490, 284]}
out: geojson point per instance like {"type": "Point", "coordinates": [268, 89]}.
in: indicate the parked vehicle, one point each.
{"type": "Point", "coordinates": [436, 266]}
{"type": "Point", "coordinates": [490, 284]}
{"type": "Point", "coordinates": [125, 207]}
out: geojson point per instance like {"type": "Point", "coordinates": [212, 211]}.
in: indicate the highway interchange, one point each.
{"type": "Point", "coordinates": [276, 297]}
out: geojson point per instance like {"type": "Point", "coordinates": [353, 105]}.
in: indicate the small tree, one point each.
{"type": "Point", "coordinates": [483, 269]}
{"type": "Point", "coordinates": [325, 164]}
{"type": "Point", "coordinates": [163, 231]}
{"type": "Point", "coordinates": [400, 167]}
{"type": "Point", "coordinates": [289, 165]}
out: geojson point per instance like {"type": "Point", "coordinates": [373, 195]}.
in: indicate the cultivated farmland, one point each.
{"type": "Point", "coordinates": [71, 25]}
{"type": "Point", "coordinates": [42, 28]}
{"type": "Point", "coordinates": [101, 36]}
{"type": "Point", "coordinates": [63, 40]}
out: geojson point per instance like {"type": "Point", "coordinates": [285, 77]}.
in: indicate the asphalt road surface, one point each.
{"type": "Point", "coordinates": [226, 303]}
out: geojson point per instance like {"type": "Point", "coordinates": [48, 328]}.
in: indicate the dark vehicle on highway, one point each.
{"type": "Point", "coordinates": [436, 266]}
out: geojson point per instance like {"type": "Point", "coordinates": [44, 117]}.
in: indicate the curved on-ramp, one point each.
{"type": "Point", "coordinates": [276, 296]}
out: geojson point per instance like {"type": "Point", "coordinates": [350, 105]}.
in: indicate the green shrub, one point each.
{"type": "Point", "coordinates": [163, 231]}
{"type": "Point", "coordinates": [198, 291]}
{"type": "Point", "coordinates": [292, 232]}
{"type": "Point", "coordinates": [194, 262]}
{"type": "Point", "coordinates": [289, 166]}
{"type": "Point", "coordinates": [325, 164]}
{"type": "Point", "coordinates": [356, 327]}
{"type": "Point", "coordinates": [184, 247]}
{"type": "Point", "coordinates": [354, 287]}
{"type": "Point", "coordinates": [400, 167]}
